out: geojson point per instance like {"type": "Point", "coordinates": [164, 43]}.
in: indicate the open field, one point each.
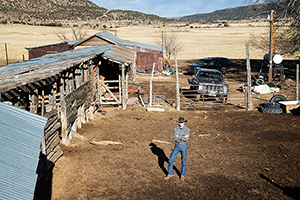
{"type": "Point", "coordinates": [198, 41]}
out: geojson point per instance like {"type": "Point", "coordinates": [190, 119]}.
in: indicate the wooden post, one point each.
{"type": "Point", "coordinates": [249, 98]}
{"type": "Point", "coordinates": [97, 82]}
{"type": "Point", "coordinates": [54, 93]}
{"type": "Point", "coordinates": [79, 117]}
{"type": "Point", "coordinates": [150, 94]}
{"type": "Point", "coordinates": [94, 82]}
{"type": "Point", "coordinates": [271, 48]}
{"type": "Point", "coordinates": [123, 88]}
{"type": "Point", "coordinates": [177, 83]}
{"type": "Point", "coordinates": [6, 53]}
{"type": "Point", "coordinates": [50, 96]}
{"type": "Point", "coordinates": [63, 113]}
{"type": "Point", "coordinates": [67, 83]}
{"type": "Point", "coordinates": [126, 83]}
{"type": "Point", "coordinates": [297, 82]}
{"type": "Point", "coordinates": [71, 80]}
{"type": "Point", "coordinates": [120, 89]}
{"type": "Point", "coordinates": [43, 98]}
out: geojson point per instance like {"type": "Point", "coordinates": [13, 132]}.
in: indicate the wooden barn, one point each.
{"type": "Point", "coordinates": [146, 54]}
{"type": "Point", "coordinates": [66, 88]}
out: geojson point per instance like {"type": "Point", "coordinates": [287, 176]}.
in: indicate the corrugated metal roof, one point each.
{"type": "Point", "coordinates": [110, 37]}
{"type": "Point", "coordinates": [21, 134]}
{"type": "Point", "coordinates": [120, 54]}
{"type": "Point", "coordinates": [76, 56]}
{"type": "Point", "coordinates": [18, 74]}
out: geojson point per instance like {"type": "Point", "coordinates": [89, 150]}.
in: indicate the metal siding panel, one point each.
{"type": "Point", "coordinates": [21, 133]}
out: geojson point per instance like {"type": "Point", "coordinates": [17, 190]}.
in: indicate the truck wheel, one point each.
{"type": "Point", "coordinates": [277, 98]}
{"type": "Point", "coordinates": [223, 70]}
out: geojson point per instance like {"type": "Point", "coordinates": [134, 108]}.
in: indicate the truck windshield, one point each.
{"type": "Point", "coordinates": [210, 76]}
{"type": "Point", "coordinates": [205, 62]}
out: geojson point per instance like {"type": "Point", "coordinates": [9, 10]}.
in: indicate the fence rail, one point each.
{"type": "Point", "coordinates": [190, 99]}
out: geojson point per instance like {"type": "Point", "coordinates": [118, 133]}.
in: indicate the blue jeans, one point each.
{"type": "Point", "coordinates": [183, 150]}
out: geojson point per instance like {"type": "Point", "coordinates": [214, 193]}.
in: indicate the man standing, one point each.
{"type": "Point", "coordinates": [181, 135]}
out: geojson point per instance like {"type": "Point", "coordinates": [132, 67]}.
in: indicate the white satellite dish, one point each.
{"type": "Point", "coordinates": [277, 59]}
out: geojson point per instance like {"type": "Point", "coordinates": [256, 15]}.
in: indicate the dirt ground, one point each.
{"type": "Point", "coordinates": [232, 154]}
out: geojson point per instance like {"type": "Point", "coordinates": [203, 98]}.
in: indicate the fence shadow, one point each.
{"type": "Point", "coordinates": [293, 192]}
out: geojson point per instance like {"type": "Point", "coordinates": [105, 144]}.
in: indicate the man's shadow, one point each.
{"type": "Point", "coordinates": [162, 158]}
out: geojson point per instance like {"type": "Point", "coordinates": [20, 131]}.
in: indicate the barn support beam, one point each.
{"type": "Point", "coordinates": [43, 99]}
{"type": "Point", "coordinates": [123, 88]}
{"type": "Point", "coordinates": [63, 115]}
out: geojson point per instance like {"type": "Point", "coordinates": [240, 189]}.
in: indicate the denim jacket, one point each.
{"type": "Point", "coordinates": [181, 132]}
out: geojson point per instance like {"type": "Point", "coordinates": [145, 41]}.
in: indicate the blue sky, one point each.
{"type": "Point", "coordinates": [170, 8]}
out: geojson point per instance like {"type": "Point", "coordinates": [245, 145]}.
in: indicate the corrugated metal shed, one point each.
{"type": "Point", "coordinates": [18, 74]}
{"type": "Point", "coordinates": [21, 133]}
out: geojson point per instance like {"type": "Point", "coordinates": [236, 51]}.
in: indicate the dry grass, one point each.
{"type": "Point", "coordinates": [199, 41]}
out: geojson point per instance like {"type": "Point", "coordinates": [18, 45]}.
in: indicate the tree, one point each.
{"type": "Point", "coordinates": [171, 41]}
{"type": "Point", "coordinates": [79, 32]}
{"type": "Point", "coordinates": [286, 26]}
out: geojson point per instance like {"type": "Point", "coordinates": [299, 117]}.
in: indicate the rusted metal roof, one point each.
{"type": "Point", "coordinates": [18, 74]}
{"type": "Point", "coordinates": [120, 54]}
{"type": "Point", "coordinates": [21, 133]}
{"type": "Point", "coordinates": [28, 48]}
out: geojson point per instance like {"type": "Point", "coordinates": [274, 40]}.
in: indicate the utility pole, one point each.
{"type": "Point", "coordinates": [162, 43]}
{"type": "Point", "coordinates": [271, 47]}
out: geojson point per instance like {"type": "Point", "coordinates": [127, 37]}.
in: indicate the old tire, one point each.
{"type": "Point", "coordinates": [260, 81]}
{"type": "Point", "coordinates": [277, 98]}
{"type": "Point", "coordinates": [271, 107]}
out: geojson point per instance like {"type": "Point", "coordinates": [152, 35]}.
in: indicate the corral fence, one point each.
{"type": "Point", "coordinates": [190, 99]}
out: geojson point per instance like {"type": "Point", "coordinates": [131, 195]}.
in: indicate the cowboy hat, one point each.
{"type": "Point", "coordinates": [181, 120]}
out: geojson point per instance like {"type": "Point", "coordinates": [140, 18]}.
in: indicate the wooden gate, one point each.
{"type": "Point", "coordinates": [110, 92]}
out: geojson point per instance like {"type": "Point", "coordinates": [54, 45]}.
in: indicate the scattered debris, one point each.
{"type": "Point", "coordinates": [264, 89]}
{"type": "Point", "coordinates": [74, 134]}
{"type": "Point", "coordinates": [160, 141]}
{"type": "Point", "coordinates": [156, 109]}
{"type": "Point", "coordinates": [132, 101]}
{"type": "Point", "coordinates": [202, 135]}
{"type": "Point", "coordinates": [104, 142]}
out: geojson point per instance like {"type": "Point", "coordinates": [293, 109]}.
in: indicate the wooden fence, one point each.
{"type": "Point", "coordinates": [191, 100]}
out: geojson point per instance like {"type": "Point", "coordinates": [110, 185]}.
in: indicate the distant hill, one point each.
{"type": "Point", "coordinates": [30, 11]}
{"type": "Point", "coordinates": [253, 12]}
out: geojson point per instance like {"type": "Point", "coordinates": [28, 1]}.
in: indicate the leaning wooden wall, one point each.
{"type": "Point", "coordinates": [77, 98]}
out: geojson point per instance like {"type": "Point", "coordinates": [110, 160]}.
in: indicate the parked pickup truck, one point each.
{"type": "Point", "coordinates": [219, 63]}
{"type": "Point", "coordinates": [208, 83]}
